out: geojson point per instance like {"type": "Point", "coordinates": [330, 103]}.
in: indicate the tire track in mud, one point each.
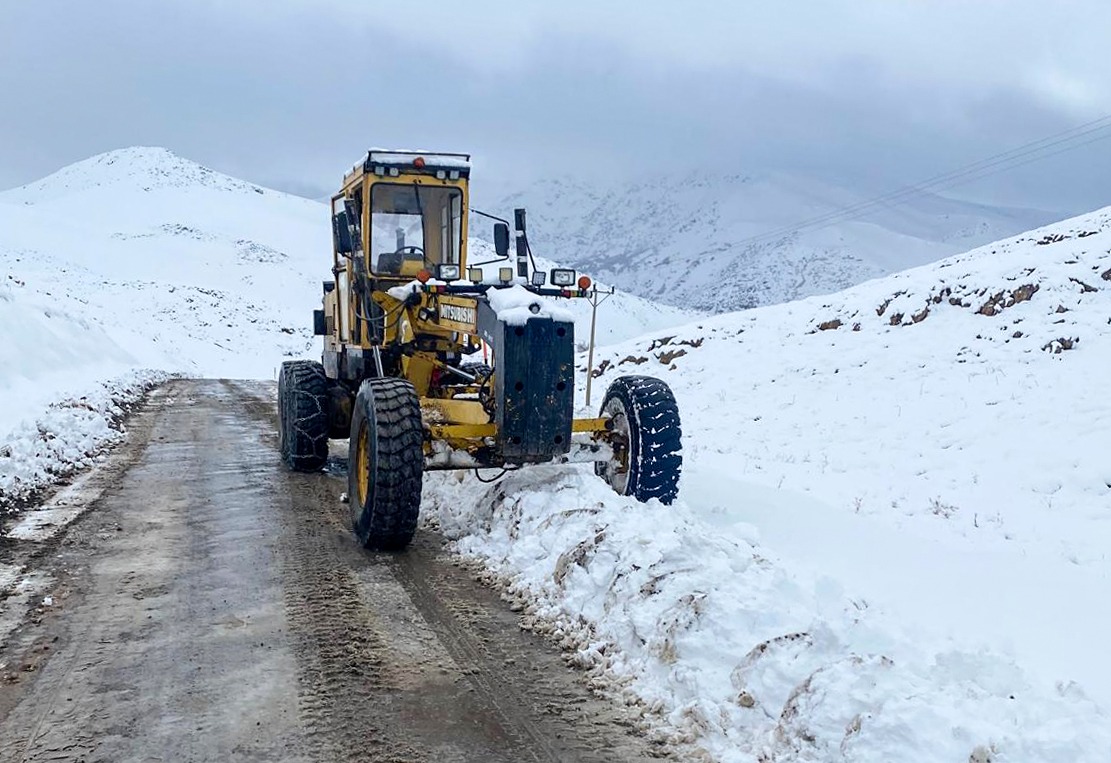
{"type": "Point", "coordinates": [547, 709]}
{"type": "Point", "coordinates": [409, 657]}
{"type": "Point", "coordinates": [354, 678]}
{"type": "Point", "coordinates": [339, 648]}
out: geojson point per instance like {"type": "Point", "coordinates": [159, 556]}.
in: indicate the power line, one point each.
{"type": "Point", "coordinates": [954, 177]}
{"type": "Point", "coordinates": [1001, 162]}
{"type": "Point", "coordinates": [976, 170]}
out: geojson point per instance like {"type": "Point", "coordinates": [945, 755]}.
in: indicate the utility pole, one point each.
{"type": "Point", "coordinates": [596, 299]}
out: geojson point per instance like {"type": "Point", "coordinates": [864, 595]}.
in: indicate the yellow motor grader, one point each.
{"type": "Point", "coordinates": [432, 362]}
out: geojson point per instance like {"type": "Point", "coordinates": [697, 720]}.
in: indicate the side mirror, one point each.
{"type": "Point", "coordinates": [341, 234]}
{"type": "Point", "coordinates": [501, 239]}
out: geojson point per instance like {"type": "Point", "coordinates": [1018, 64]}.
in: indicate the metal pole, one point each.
{"type": "Point", "coordinates": [590, 352]}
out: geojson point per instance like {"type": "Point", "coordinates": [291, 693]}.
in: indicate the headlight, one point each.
{"type": "Point", "coordinates": [562, 277]}
{"type": "Point", "coordinates": [448, 272]}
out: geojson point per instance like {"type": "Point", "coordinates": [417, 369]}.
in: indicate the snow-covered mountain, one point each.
{"type": "Point", "coordinates": [187, 269]}
{"type": "Point", "coordinates": [689, 239]}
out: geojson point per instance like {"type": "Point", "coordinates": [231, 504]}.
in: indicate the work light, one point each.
{"type": "Point", "coordinates": [538, 277]}
{"type": "Point", "coordinates": [562, 276]}
{"type": "Point", "coordinates": [505, 275]}
{"type": "Point", "coordinates": [474, 274]}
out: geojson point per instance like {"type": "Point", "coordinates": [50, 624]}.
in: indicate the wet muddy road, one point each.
{"type": "Point", "coordinates": [210, 606]}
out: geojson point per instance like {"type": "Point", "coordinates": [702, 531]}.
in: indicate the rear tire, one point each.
{"type": "Point", "coordinates": [385, 465]}
{"type": "Point", "coordinates": [646, 436]}
{"type": "Point", "coordinates": [303, 402]}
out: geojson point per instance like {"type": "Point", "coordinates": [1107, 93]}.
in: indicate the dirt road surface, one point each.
{"type": "Point", "coordinates": [210, 606]}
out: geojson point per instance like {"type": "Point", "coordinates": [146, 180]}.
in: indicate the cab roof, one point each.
{"type": "Point", "coordinates": [392, 161]}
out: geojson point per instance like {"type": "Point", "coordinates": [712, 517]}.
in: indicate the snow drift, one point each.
{"type": "Point", "coordinates": [53, 420]}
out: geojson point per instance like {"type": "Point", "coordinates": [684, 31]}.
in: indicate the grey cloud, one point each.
{"type": "Point", "coordinates": [290, 94]}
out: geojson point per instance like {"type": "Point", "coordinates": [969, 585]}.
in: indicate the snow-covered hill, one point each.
{"type": "Point", "coordinates": [127, 266]}
{"type": "Point", "coordinates": [140, 259]}
{"type": "Point", "coordinates": [687, 239]}
{"type": "Point", "coordinates": [891, 537]}
{"type": "Point", "coordinates": [146, 215]}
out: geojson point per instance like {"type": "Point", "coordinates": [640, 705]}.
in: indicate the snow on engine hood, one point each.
{"type": "Point", "coordinates": [514, 306]}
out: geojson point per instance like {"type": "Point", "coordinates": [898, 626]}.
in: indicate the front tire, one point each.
{"type": "Point", "coordinates": [303, 402]}
{"type": "Point", "coordinates": [646, 439]}
{"type": "Point", "coordinates": [385, 465]}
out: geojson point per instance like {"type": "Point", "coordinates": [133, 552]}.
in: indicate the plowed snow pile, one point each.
{"type": "Point", "coordinates": [53, 422]}
{"type": "Point", "coordinates": [891, 537]}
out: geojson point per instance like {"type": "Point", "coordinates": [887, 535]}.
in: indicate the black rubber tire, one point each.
{"type": "Point", "coordinates": [303, 402]}
{"type": "Point", "coordinates": [384, 512]}
{"type": "Point", "coordinates": [654, 438]}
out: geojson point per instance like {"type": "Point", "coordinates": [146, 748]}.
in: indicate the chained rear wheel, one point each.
{"type": "Point", "coordinates": [646, 439]}
{"type": "Point", "coordinates": [385, 464]}
{"type": "Point", "coordinates": [303, 403]}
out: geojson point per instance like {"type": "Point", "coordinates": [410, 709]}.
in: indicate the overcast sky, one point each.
{"type": "Point", "coordinates": [290, 93]}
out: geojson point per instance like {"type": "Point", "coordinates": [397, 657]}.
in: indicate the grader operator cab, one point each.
{"type": "Point", "coordinates": [403, 320]}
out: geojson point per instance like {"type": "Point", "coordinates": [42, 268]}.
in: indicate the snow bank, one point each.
{"type": "Point", "coordinates": [736, 653]}
{"type": "Point", "coordinates": [64, 387]}
{"type": "Point", "coordinates": [71, 434]}
{"type": "Point", "coordinates": [129, 261]}
{"type": "Point", "coordinates": [891, 537]}
{"type": "Point", "coordinates": [45, 347]}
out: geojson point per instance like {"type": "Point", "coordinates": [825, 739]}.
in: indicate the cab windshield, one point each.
{"type": "Point", "coordinates": [414, 227]}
